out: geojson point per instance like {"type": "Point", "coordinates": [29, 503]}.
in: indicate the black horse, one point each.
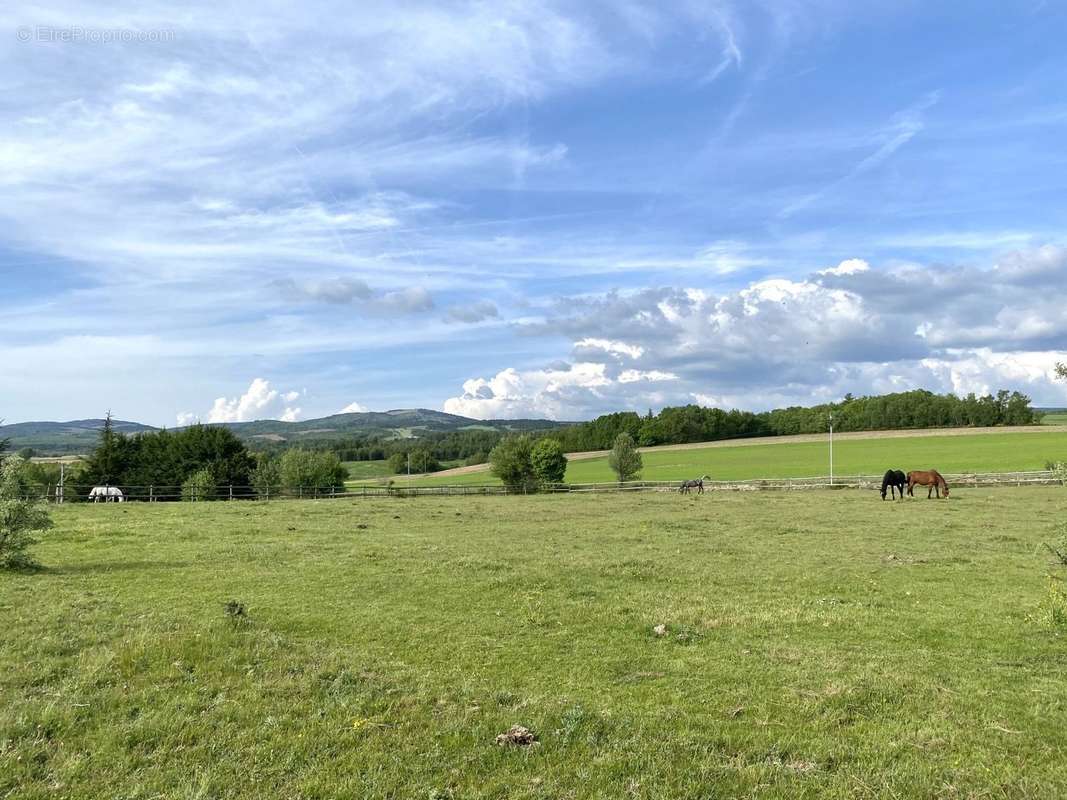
{"type": "Point", "coordinates": [894, 479]}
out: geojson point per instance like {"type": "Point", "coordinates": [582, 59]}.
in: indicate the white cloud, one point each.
{"type": "Point", "coordinates": [608, 346]}
{"type": "Point", "coordinates": [850, 266]}
{"type": "Point", "coordinates": [510, 394]}
{"type": "Point", "coordinates": [652, 375]}
{"type": "Point", "coordinates": [354, 408]}
{"type": "Point", "coordinates": [849, 328]}
{"type": "Point", "coordinates": [260, 401]}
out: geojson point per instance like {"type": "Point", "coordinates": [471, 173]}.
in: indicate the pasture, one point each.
{"type": "Point", "coordinates": [870, 455]}
{"type": "Point", "coordinates": [817, 644]}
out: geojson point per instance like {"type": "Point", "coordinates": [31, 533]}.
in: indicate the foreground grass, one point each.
{"type": "Point", "coordinates": [819, 645]}
{"type": "Point", "coordinates": [994, 452]}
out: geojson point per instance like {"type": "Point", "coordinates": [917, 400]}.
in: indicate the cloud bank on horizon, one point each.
{"type": "Point", "coordinates": [527, 210]}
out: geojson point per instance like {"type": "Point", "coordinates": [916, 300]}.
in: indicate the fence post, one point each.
{"type": "Point", "coordinates": [300, 492]}
{"type": "Point", "coordinates": [266, 494]}
{"type": "Point", "coordinates": [231, 491]}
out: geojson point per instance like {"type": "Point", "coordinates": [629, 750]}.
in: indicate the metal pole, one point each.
{"type": "Point", "coordinates": [831, 448]}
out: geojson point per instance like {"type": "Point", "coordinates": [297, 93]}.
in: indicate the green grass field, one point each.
{"type": "Point", "coordinates": [995, 452]}
{"type": "Point", "coordinates": [371, 471]}
{"type": "Point", "coordinates": [365, 470]}
{"type": "Point", "coordinates": [1055, 418]}
{"type": "Point", "coordinates": [819, 645]}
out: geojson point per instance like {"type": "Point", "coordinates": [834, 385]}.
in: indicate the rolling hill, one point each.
{"type": "Point", "coordinates": [79, 436]}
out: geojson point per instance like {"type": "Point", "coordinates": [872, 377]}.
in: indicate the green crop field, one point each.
{"type": "Point", "coordinates": [816, 645]}
{"type": "Point", "coordinates": [994, 452]}
{"type": "Point", "coordinates": [1055, 418]}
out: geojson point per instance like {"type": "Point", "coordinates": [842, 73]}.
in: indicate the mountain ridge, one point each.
{"type": "Point", "coordinates": [78, 436]}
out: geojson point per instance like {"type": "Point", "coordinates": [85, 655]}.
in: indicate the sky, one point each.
{"type": "Point", "coordinates": [257, 210]}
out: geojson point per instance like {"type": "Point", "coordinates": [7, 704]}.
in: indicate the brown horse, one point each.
{"type": "Point", "coordinates": [932, 478]}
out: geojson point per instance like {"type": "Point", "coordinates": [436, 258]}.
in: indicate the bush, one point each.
{"type": "Point", "coordinates": [199, 486]}
{"type": "Point", "coordinates": [1059, 468]}
{"type": "Point", "coordinates": [311, 472]}
{"type": "Point", "coordinates": [20, 518]}
{"type": "Point", "coordinates": [267, 476]}
{"type": "Point", "coordinates": [476, 458]}
{"type": "Point", "coordinates": [624, 459]}
{"type": "Point", "coordinates": [511, 462]}
{"type": "Point", "coordinates": [548, 462]}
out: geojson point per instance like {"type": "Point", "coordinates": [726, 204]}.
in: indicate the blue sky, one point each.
{"type": "Point", "coordinates": [526, 209]}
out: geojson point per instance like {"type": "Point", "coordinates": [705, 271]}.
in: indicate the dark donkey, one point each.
{"type": "Point", "coordinates": [698, 484]}
{"type": "Point", "coordinates": [931, 478]}
{"type": "Point", "coordinates": [895, 481]}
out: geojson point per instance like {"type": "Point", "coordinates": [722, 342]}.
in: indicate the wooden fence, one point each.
{"type": "Point", "coordinates": [71, 493]}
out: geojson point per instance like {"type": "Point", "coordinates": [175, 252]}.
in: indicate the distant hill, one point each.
{"type": "Point", "coordinates": [62, 438]}
{"type": "Point", "coordinates": [79, 436]}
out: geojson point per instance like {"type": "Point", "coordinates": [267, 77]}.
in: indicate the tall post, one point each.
{"type": "Point", "coordinates": [409, 464]}
{"type": "Point", "coordinates": [831, 448]}
{"type": "Point", "coordinates": [62, 477]}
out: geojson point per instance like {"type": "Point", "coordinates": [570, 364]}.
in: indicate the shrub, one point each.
{"type": "Point", "coordinates": [548, 462]}
{"type": "Point", "coordinates": [267, 476]}
{"type": "Point", "coordinates": [511, 461]}
{"type": "Point", "coordinates": [476, 458]}
{"type": "Point", "coordinates": [1059, 469]}
{"type": "Point", "coordinates": [311, 472]}
{"type": "Point", "coordinates": [199, 486]}
{"type": "Point", "coordinates": [624, 459]}
{"type": "Point", "coordinates": [1052, 611]}
{"type": "Point", "coordinates": [20, 518]}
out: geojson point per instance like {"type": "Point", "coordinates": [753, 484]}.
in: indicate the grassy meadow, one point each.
{"type": "Point", "coordinates": [817, 644]}
{"type": "Point", "coordinates": [993, 452]}
{"type": "Point", "coordinates": [1055, 418]}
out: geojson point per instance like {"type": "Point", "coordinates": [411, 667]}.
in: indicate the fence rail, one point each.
{"type": "Point", "coordinates": [78, 493]}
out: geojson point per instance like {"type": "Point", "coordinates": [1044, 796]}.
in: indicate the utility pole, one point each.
{"type": "Point", "coordinates": [831, 448]}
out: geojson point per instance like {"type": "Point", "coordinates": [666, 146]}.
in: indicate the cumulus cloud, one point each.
{"type": "Point", "coordinates": [260, 401]}
{"type": "Point", "coordinates": [512, 394]}
{"type": "Point", "coordinates": [847, 328]}
{"type": "Point", "coordinates": [354, 408]}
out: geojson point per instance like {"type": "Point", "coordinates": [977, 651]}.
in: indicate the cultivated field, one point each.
{"type": "Point", "coordinates": [818, 644]}
{"type": "Point", "coordinates": [854, 454]}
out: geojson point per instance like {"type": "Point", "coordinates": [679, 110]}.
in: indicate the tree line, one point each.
{"type": "Point", "coordinates": [195, 463]}
{"type": "Point", "coordinates": [693, 423]}
{"type": "Point", "coordinates": [902, 410]}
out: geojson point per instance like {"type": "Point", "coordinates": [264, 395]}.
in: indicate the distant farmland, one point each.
{"type": "Point", "coordinates": [866, 455]}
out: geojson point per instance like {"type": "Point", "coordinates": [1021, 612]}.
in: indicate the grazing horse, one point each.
{"type": "Point", "coordinates": [698, 484]}
{"type": "Point", "coordinates": [109, 494]}
{"type": "Point", "coordinates": [931, 478]}
{"type": "Point", "coordinates": [895, 481]}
